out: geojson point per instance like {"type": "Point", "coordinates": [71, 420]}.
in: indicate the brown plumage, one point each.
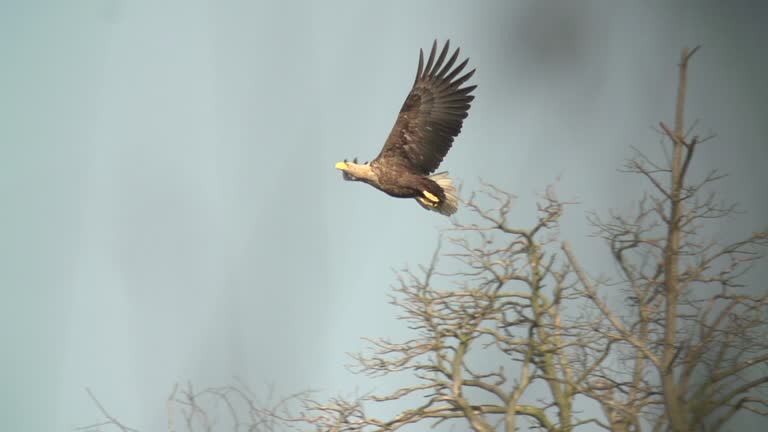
{"type": "Point", "coordinates": [429, 120]}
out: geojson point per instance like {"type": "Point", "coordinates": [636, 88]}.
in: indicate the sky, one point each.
{"type": "Point", "coordinates": [170, 210]}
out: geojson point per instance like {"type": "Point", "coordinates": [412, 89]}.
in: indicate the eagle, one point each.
{"type": "Point", "coordinates": [429, 120]}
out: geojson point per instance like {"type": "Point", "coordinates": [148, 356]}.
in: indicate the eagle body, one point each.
{"type": "Point", "coordinates": [429, 120]}
{"type": "Point", "coordinates": [403, 184]}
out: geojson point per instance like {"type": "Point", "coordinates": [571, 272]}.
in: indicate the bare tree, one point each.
{"type": "Point", "coordinates": [504, 304]}
{"type": "Point", "coordinates": [689, 323]}
{"type": "Point", "coordinates": [519, 336]}
{"type": "Point", "coordinates": [233, 408]}
{"type": "Point", "coordinates": [684, 349]}
{"type": "Point", "coordinates": [109, 420]}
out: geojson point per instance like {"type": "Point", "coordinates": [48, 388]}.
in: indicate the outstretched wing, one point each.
{"type": "Point", "coordinates": [432, 114]}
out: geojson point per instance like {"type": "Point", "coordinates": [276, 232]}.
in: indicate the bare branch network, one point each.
{"type": "Point", "coordinates": [683, 350]}
{"type": "Point", "coordinates": [520, 336]}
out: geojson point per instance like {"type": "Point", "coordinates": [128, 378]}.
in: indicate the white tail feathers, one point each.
{"type": "Point", "coordinates": [451, 202]}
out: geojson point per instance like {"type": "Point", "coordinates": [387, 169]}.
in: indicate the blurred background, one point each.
{"type": "Point", "coordinates": [170, 211]}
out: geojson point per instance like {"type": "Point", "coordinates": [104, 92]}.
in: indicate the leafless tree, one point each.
{"type": "Point", "coordinates": [519, 336]}
{"type": "Point", "coordinates": [505, 304]}
{"type": "Point", "coordinates": [689, 324]}
{"type": "Point", "coordinates": [232, 408]}
{"type": "Point", "coordinates": [683, 349]}
{"type": "Point", "coordinates": [109, 420]}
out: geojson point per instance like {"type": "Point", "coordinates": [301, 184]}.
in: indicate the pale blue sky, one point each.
{"type": "Point", "coordinates": [170, 207]}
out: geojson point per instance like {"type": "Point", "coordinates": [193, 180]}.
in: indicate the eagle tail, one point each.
{"type": "Point", "coordinates": [451, 203]}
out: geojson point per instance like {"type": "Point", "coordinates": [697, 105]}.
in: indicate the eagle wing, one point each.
{"type": "Point", "coordinates": [431, 116]}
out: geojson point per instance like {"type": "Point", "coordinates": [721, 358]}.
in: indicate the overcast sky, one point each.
{"type": "Point", "coordinates": [170, 209]}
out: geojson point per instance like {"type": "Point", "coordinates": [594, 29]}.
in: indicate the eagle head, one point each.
{"type": "Point", "coordinates": [353, 171]}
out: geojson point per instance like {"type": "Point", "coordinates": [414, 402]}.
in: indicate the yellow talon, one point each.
{"type": "Point", "coordinates": [431, 197]}
{"type": "Point", "coordinates": [426, 202]}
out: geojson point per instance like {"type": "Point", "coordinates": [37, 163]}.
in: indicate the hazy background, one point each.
{"type": "Point", "coordinates": [170, 209]}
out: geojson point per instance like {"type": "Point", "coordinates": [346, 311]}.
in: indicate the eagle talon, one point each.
{"type": "Point", "coordinates": [427, 202]}
{"type": "Point", "coordinates": [431, 197]}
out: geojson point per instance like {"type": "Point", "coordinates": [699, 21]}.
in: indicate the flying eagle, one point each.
{"type": "Point", "coordinates": [429, 120]}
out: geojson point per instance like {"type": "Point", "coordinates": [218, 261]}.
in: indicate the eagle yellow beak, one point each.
{"type": "Point", "coordinates": [341, 166]}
